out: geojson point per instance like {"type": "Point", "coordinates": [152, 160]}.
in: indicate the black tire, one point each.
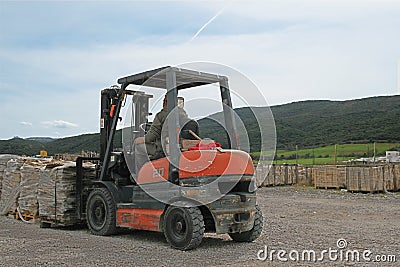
{"type": "Point", "coordinates": [183, 227]}
{"type": "Point", "coordinates": [254, 233]}
{"type": "Point", "coordinates": [101, 212]}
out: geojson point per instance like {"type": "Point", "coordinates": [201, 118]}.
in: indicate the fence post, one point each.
{"type": "Point", "coordinates": [274, 175]}
{"type": "Point", "coordinates": [395, 185]}
{"type": "Point", "coordinates": [286, 174]}
{"type": "Point", "coordinates": [313, 176]}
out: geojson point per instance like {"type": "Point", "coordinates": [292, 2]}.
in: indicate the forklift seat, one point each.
{"type": "Point", "coordinates": [189, 125]}
{"type": "Point", "coordinates": [186, 138]}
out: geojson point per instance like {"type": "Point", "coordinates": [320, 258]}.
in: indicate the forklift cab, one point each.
{"type": "Point", "coordinates": [172, 80]}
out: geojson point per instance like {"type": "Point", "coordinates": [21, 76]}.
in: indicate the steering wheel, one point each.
{"type": "Point", "coordinates": [145, 126]}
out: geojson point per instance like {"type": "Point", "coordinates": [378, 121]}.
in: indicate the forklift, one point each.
{"type": "Point", "coordinates": [197, 190]}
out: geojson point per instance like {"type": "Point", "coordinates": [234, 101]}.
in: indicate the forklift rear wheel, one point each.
{"type": "Point", "coordinates": [254, 233]}
{"type": "Point", "coordinates": [184, 227]}
{"type": "Point", "coordinates": [101, 212]}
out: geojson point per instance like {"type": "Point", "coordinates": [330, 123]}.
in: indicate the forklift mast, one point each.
{"type": "Point", "coordinates": [109, 99]}
{"type": "Point", "coordinates": [111, 103]}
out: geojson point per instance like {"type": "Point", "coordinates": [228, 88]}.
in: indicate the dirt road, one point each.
{"type": "Point", "coordinates": [297, 220]}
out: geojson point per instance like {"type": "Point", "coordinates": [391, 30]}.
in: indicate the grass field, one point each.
{"type": "Point", "coordinates": [326, 154]}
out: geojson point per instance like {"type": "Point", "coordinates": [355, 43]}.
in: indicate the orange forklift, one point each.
{"type": "Point", "coordinates": [185, 193]}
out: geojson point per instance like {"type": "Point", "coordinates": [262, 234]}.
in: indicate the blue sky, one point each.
{"type": "Point", "coordinates": [55, 57]}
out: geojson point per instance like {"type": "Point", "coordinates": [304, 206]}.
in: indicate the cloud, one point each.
{"type": "Point", "coordinates": [206, 24]}
{"type": "Point", "coordinates": [59, 124]}
{"type": "Point", "coordinates": [25, 123]}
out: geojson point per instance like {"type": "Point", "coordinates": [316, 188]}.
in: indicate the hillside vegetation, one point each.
{"type": "Point", "coordinates": [306, 124]}
{"type": "Point", "coordinates": [321, 123]}
{"type": "Point", "coordinates": [315, 123]}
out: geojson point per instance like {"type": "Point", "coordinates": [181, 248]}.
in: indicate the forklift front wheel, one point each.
{"type": "Point", "coordinates": [183, 227]}
{"type": "Point", "coordinates": [101, 212]}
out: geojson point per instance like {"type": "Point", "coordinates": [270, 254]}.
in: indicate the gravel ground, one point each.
{"type": "Point", "coordinates": [295, 218]}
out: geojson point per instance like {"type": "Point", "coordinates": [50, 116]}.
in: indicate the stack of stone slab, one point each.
{"type": "Point", "coordinates": [28, 201]}
{"type": "Point", "coordinates": [274, 175]}
{"type": "Point", "coordinates": [45, 189]}
{"type": "Point", "coordinates": [10, 187]}
{"type": "Point", "coordinates": [57, 194]}
{"type": "Point", "coordinates": [392, 177]}
{"type": "Point", "coordinates": [3, 164]}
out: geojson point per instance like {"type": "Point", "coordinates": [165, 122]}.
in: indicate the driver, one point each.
{"type": "Point", "coordinates": [150, 145]}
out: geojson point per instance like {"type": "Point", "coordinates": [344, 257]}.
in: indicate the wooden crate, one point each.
{"type": "Point", "coordinates": [365, 179]}
{"type": "Point", "coordinates": [389, 178]}
{"type": "Point", "coordinates": [353, 178]}
{"type": "Point", "coordinates": [291, 174]}
{"type": "Point", "coordinates": [396, 171]}
{"type": "Point", "coordinates": [304, 175]}
{"type": "Point", "coordinates": [320, 178]}
{"type": "Point", "coordinates": [329, 177]}
{"type": "Point", "coordinates": [280, 174]}
{"type": "Point", "coordinates": [261, 173]}
{"type": "Point", "coordinates": [269, 174]}
{"type": "Point", "coordinates": [373, 180]}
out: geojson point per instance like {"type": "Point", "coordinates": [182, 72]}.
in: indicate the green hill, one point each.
{"type": "Point", "coordinates": [307, 124]}
{"type": "Point", "coordinates": [19, 146]}
{"type": "Point", "coordinates": [320, 123]}
{"type": "Point", "coordinates": [74, 144]}
{"type": "Point", "coordinates": [316, 123]}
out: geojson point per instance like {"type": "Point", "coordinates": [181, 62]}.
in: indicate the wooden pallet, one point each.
{"type": "Point", "coordinates": [25, 216]}
{"type": "Point", "coordinates": [329, 187]}
{"type": "Point", "coordinates": [366, 191]}
{"type": "Point", "coordinates": [50, 221]}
